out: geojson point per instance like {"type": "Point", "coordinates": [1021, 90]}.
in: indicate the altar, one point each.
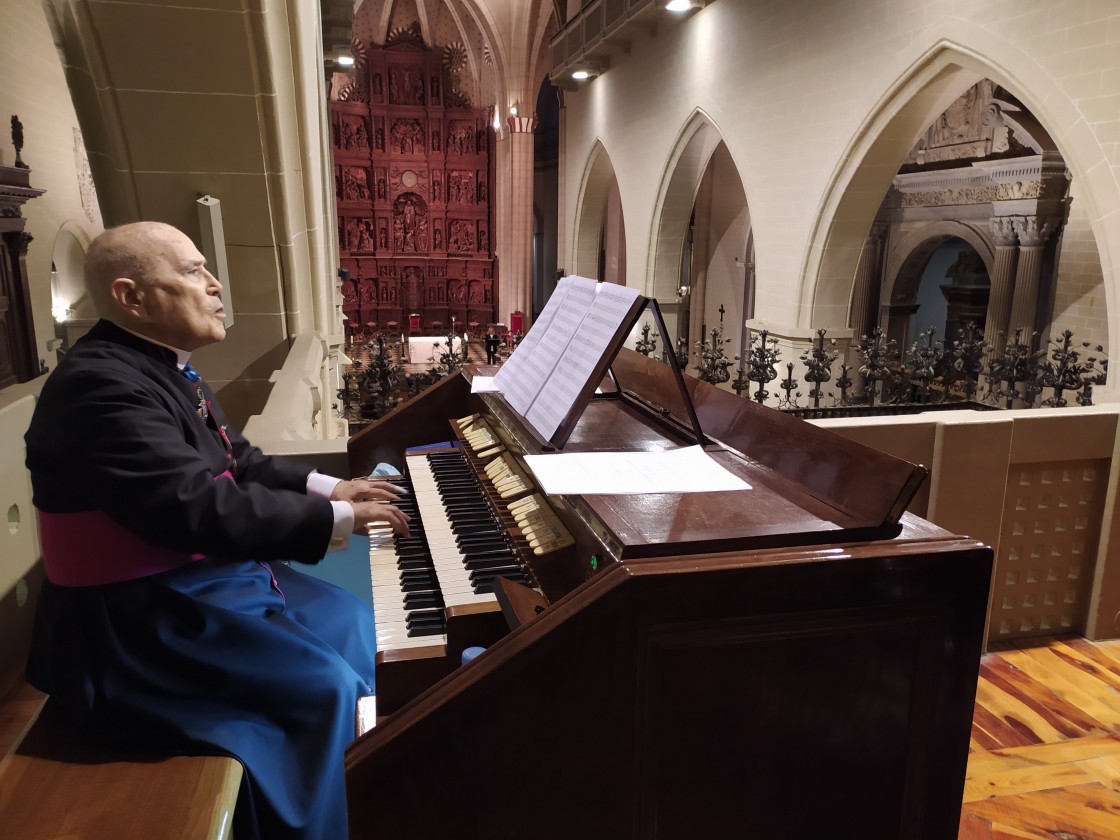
{"type": "Point", "coordinates": [422, 348]}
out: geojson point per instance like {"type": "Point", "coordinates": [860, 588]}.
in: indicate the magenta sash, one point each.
{"type": "Point", "coordinates": [88, 548]}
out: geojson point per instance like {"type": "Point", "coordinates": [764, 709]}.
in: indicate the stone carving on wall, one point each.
{"type": "Point", "coordinates": [407, 137]}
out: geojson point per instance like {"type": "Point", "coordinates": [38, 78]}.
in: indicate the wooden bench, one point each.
{"type": "Point", "coordinates": [54, 785]}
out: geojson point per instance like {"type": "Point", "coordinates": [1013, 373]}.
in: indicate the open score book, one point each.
{"type": "Point", "coordinates": [558, 361]}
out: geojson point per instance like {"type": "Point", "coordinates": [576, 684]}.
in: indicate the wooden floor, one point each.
{"type": "Point", "coordinates": [1044, 762]}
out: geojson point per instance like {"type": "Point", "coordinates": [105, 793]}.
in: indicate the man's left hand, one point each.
{"type": "Point", "coordinates": [366, 490]}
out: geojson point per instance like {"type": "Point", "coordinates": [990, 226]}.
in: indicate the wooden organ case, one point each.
{"type": "Point", "coordinates": [797, 660]}
{"type": "Point", "coordinates": [413, 185]}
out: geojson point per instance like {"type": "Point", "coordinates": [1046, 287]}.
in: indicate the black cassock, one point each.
{"type": "Point", "coordinates": [229, 654]}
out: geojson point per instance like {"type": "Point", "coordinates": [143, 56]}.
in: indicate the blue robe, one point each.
{"type": "Point", "coordinates": [233, 654]}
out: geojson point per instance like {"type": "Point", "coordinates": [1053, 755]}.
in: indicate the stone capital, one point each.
{"type": "Point", "coordinates": [1033, 231]}
{"type": "Point", "coordinates": [1002, 229]}
{"type": "Point", "coordinates": [521, 125]}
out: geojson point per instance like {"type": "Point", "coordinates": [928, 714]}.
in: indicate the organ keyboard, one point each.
{"type": "Point", "coordinates": [674, 655]}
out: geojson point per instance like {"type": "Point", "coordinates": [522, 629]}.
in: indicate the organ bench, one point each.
{"type": "Point", "coordinates": [56, 785]}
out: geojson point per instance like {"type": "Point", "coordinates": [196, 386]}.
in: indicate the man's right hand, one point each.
{"type": "Point", "coordinates": [376, 513]}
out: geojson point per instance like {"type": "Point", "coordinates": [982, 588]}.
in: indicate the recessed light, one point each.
{"type": "Point", "coordinates": [678, 5]}
{"type": "Point", "coordinates": [346, 60]}
{"type": "Point", "coordinates": [581, 75]}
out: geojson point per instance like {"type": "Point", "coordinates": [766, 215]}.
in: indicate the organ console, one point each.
{"type": "Point", "coordinates": [797, 660]}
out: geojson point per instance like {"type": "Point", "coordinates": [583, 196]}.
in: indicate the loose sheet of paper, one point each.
{"type": "Point", "coordinates": [686, 470]}
{"type": "Point", "coordinates": [483, 385]}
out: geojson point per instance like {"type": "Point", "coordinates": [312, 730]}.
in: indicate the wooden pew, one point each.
{"type": "Point", "coordinates": [55, 784]}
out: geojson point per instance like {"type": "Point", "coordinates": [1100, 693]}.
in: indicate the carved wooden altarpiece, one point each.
{"type": "Point", "coordinates": [412, 168]}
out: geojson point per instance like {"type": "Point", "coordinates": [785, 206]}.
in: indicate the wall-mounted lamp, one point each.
{"type": "Point", "coordinates": [678, 5]}
{"type": "Point", "coordinates": [213, 247]}
{"type": "Point", "coordinates": [345, 61]}
{"type": "Point", "coordinates": [580, 75]}
{"type": "Point", "coordinates": [60, 309]}
{"type": "Point", "coordinates": [683, 291]}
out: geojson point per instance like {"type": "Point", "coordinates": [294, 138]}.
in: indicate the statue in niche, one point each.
{"type": "Point", "coordinates": [439, 239]}
{"type": "Point", "coordinates": [481, 192]}
{"type": "Point", "coordinates": [351, 235]}
{"type": "Point", "coordinates": [410, 224]}
{"type": "Point", "coordinates": [377, 89]}
{"type": "Point", "coordinates": [435, 188]}
{"type": "Point", "coordinates": [361, 136]}
{"type": "Point", "coordinates": [383, 238]}
{"type": "Point", "coordinates": [435, 139]}
{"type": "Point", "coordinates": [365, 237]}
{"type": "Point", "coordinates": [347, 135]}
{"type": "Point", "coordinates": [482, 240]}
{"type": "Point", "coordinates": [475, 295]}
{"type": "Point", "coordinates": [381, 188]}
{"type": "Point", "coordinates": [487, 294]}
{"type": "Point", "coordinates": [384, 292]}
{"type": "Point", "coordinates": [369, 293]}
{"type": "Point", "coordinates": [380, 140]}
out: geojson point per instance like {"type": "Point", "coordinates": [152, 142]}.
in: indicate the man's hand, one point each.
{"type": "Point", "coordinates": [369, 515]}
{"type": "Point", "coordinates": [365, 490]}
{"type": "Point", "coordinates": [371, 503]}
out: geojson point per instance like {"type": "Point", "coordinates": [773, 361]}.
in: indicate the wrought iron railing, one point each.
{"type": "Point", "coordinates": [965, 373]}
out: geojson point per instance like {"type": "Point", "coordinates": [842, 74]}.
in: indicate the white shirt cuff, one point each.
{"type": "Point", "coordinates": [321, 485]}
{"type": "Point", "coordinates": [343, 526]}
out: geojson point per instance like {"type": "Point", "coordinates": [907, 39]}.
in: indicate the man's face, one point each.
{"type": "Point", "coordinates": [182, 300]}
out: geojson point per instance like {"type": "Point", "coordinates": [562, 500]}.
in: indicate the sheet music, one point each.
{"type": "Point", "coordinates": [509, 380]}
{"type": "Point", "coordinates": [539, 364]}
{"type": "Point", "coordinates": [588, 341]}
{"type": "Point", "coordinates": [688, 469]}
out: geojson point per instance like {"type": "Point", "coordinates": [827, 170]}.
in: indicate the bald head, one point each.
{"type": "Point", "coordinates": [151, 279]}
{"type": "Point", "coordinates": [128, 251]}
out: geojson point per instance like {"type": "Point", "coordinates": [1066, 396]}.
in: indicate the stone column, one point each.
{"type": "Point", "coordinates": [1032, 238]}
{"type": "Point", "coordinates": [869, 279]}
{"type": "Point", "coordinates": [516, 269]}
{"type": "Point", "coordinates": [1003, 281]}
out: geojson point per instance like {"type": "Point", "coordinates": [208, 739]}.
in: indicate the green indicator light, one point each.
{"type": "Point", "coordinates": [594, 562]}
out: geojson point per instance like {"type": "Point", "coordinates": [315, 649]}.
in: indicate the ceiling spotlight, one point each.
{"type": "Point", "coordinates": [580, 75]}
{"type": "Point", "coordinates": [346, 61]}
{"type": "Point", "coordinates": [678, 5]}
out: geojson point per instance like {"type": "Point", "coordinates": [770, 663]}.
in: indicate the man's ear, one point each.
{"type": "Point", "coordinates": [128, 296]}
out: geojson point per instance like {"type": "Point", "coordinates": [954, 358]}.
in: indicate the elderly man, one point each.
{"type": "Point", "coordinates": [163, 625]}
